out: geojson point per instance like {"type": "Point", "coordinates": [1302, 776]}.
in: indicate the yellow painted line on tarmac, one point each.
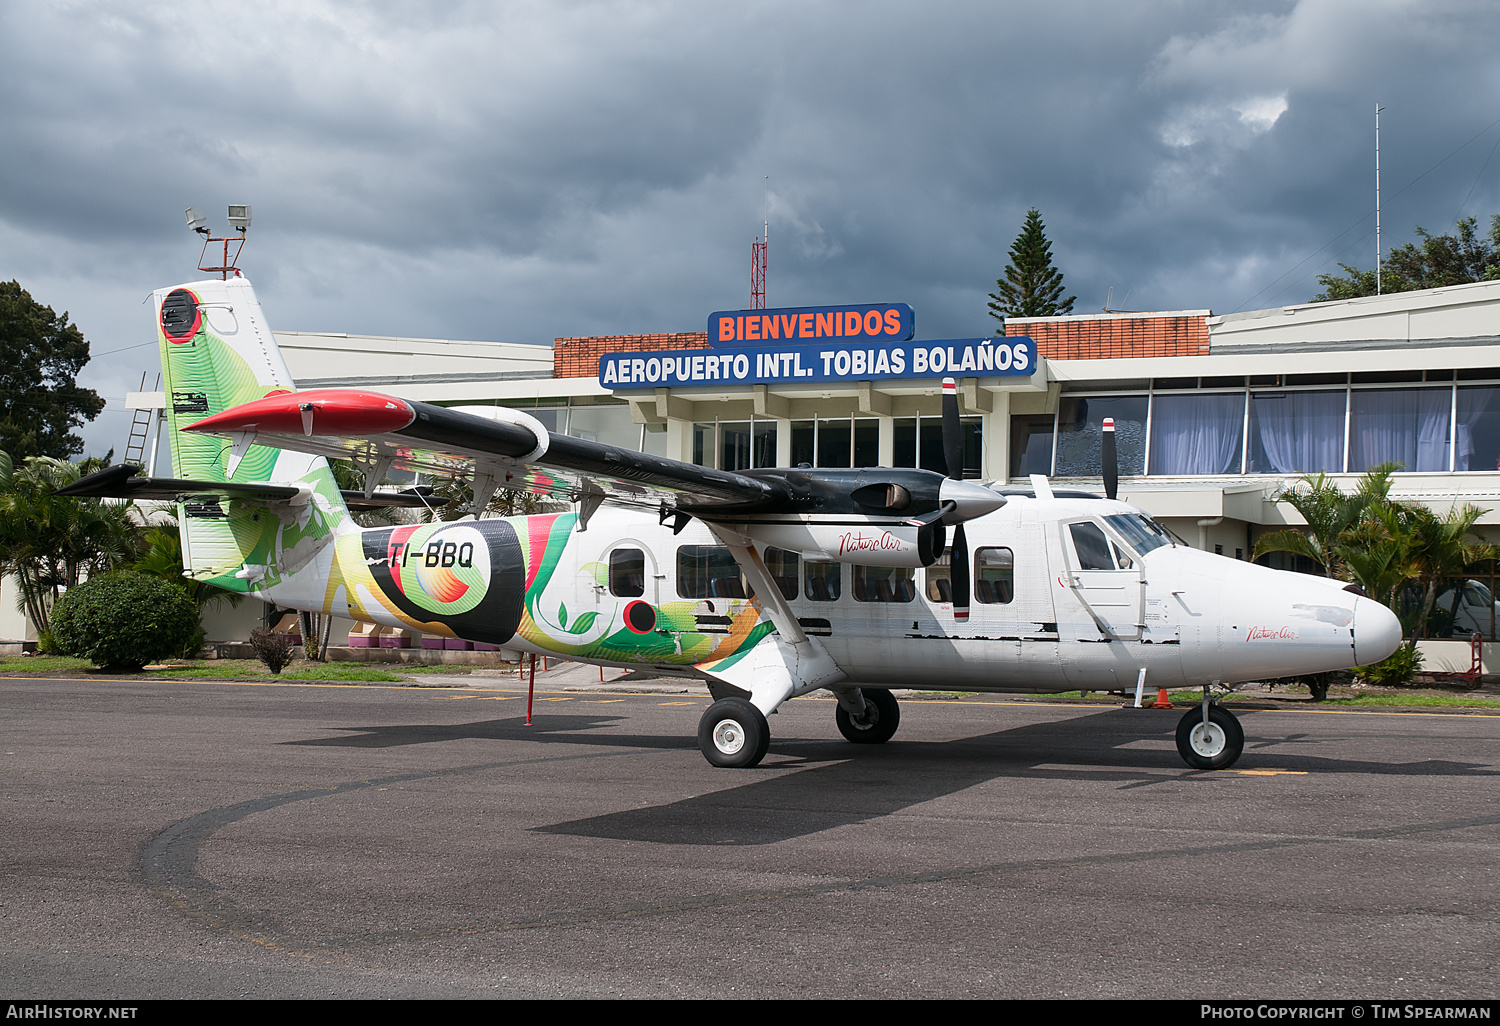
{"type": "Point", "coordinates": [1270, 773]}
{"type": "Point", "coordinates": [678, 703]}
{"type": "Point", "coordinates": [602, 701]}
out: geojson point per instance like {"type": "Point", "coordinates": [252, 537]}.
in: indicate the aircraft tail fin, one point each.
{"type": "Point", "coordinates": [217, 352]}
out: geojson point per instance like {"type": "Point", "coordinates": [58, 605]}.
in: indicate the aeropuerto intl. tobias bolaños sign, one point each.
{"type": "Point", "coordinates": [870, 342]}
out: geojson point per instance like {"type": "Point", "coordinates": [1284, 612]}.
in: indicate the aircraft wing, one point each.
{"type": "Point", "coordinates": [495, 446]}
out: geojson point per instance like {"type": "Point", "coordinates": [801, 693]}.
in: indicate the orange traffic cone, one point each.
{"type": "Point", "coordinates": [1161, 700]}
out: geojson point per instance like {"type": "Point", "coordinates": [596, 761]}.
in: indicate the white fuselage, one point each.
{"type": "Point", "coordinates": [1064, 619]}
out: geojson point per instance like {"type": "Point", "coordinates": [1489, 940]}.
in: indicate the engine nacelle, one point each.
{"type": "Point", "coordinates": [871, 544]}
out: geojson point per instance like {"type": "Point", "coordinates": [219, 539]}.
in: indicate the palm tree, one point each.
{"type": "Point", "coordinates": [50, 542]}
{"type": "Point", "coordinates": [1434, 550]}
{"type": "Point", "coordinates": [1331, 516]}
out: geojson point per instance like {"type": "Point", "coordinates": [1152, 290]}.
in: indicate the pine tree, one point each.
{"type": "Point", "coordinates": [1032, 287]}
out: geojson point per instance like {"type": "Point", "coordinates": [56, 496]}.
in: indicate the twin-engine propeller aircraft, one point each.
{"type": "Point", "coordinates": [766, 584]}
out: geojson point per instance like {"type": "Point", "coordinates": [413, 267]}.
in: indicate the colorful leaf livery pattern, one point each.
{"type": "Point", "coordinates": [218, 352]}
{"type": "Point", "coordinates": [509, 580]}
{"type": "Point", "coordinates": [523, 582]}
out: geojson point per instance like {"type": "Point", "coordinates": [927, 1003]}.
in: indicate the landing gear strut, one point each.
{"type": "Point", "coordinates": [876, 724]}
{"type": "Point", "coordinates": [1209, 737]}
{"type": "Point", "coordinates": [734, 734]}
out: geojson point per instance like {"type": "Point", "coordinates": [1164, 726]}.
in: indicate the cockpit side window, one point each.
{"type": "Point", "coordinates": [1091, 546]}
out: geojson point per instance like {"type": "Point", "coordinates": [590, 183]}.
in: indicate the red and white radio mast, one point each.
{"type": "Point", "coordinates": [758, 259]}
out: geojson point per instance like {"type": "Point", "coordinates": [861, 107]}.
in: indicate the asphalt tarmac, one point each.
{"type": "Point", "coordinates": [169, 840]}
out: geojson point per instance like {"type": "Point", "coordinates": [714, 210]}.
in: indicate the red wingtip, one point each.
{"type": "Point", "coordinates": [333, 411]}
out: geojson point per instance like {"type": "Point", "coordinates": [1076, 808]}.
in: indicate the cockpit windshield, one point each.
{"type": "Point", "coordinates": [1143, 533]}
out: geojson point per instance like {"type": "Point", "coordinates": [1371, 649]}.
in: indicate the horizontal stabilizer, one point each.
{"type": "Point", "coordinates": [121, 482]}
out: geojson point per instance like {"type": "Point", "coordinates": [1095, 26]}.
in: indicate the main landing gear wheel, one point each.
{"type": "Point", "coordinates": [882, 717]}
{"type": "Point", "coordinates": [734, 734]}
{"type": "Point", "coordinates": [1210, 747]}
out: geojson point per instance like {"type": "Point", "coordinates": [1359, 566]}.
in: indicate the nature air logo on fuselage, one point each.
{"type": "Point", "coordinates": [1271, 634]}
{"type": "Point", "coordinates": [443, 568]}
{"type": "Point", "coordinates": [859, 541]}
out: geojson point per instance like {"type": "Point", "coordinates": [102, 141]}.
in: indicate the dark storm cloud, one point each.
{"type": "Point", "coordinates": [521, 171]}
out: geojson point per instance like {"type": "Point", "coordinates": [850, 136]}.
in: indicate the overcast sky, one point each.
{"type": "Point", "coordinates": [518, 171]}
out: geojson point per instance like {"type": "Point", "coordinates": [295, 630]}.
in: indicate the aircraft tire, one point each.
{"type": "Point", "coordinates": [733, 734]}
{"type": "Point", "coordinates": [1219, 747]}
{"type": "Point", "coordinates": [885, 719]}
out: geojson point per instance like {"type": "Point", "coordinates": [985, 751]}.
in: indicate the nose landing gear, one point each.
{"type": "Point", "coordinates": [1210, 737]}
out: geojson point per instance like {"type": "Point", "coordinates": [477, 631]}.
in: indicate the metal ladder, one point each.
{"type": "Point", "coordinates": [140, 429]}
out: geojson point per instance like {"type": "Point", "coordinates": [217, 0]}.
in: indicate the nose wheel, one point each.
{"type": "Point", "coordinates": [1212, 744]}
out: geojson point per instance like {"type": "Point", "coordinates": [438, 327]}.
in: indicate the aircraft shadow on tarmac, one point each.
{"type": "Point", "coordinates": [836, 784]}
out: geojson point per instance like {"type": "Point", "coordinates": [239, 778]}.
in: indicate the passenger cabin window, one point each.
{"type": "Point", "coordinates": [823, 581]}
{"type": "Point", "coordinates": [783, 567]}
{"type": "Point", "coordinates": [940, 581]}
{"type": "Point", "coordinates": [710, 571]}
{"type": "Point", "coordinates": [627, 573]}
{"type": "Point", "coordinates": [883, 584]}
{"type": "Point", "coordinates": [994, 576]}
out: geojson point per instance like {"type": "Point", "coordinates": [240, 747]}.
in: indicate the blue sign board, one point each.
{"type": "Point", "coordinates": [841, 360]}
{"type": "Point", "coordinates": [871, 322]}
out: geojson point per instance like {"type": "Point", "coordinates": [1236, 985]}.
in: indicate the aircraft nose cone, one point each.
{"type": "Point", "coordinates": [1377, 632]}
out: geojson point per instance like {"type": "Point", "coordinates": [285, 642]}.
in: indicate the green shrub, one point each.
{"type": "Point", "coordinates": [1401, 668]}
{"type": "Point", "coordinates": [271, 648]}
{"type": "Point", "coordinates": [46, 644]}
{"type": "Point", "coordinates": [124, 620]}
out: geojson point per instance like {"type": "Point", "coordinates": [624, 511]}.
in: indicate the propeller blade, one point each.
{"type": "Point", "coordinates": [959, 574]}
{"type": "Point", "coordinates": [1110, 460]}
{"type": "Point", "coordinates": [953, 438]}
{"type": "Point", "coordinates": [953, 450]}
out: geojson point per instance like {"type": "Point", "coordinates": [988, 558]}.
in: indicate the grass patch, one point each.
{"type": "Point", "coordinates": [438, 668]}
{"type": "Point", "coordinates": [340, 671]}
{"type": "Point", "coordinates": [208, 669]}
{"type": "Point", "coordinates": [1420, 701]}
{"type": "Point", "coordinates": [42, 664]}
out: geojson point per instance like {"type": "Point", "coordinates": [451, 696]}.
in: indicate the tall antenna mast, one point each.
{"type": "Point", "coordinates": [1378, 109]}
{"type": "Point", "coordinates": [758, 258]}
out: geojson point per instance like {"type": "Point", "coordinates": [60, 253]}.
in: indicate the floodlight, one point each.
{"type": "Point", "coordinates": [195, 219]}
{"type": "Point", "coordinates": [239, 216]}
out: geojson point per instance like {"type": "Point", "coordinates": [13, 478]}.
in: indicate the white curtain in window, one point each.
{"type": "Point", "coordinates": [1478, 414]}
{"type": "Point", "coordinates": [1408, 426]}
{"type": "Point", "coordinates": [1196, 434]}
{"type": "Point", "coordinates": [1296, 432]}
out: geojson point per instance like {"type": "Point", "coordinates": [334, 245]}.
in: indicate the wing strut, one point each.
{"type": "Point", "coordinates": [784, 665]}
